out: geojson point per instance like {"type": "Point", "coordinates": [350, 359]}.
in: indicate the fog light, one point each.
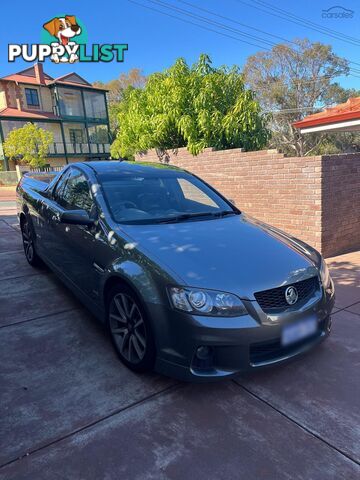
{"type": "Point", "coordinates": [203, 352]}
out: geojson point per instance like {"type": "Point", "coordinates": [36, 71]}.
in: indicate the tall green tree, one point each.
{"type": "Point", "coordinates": [293, 81]}
{"type": "Point", "coordinates": [28, 144]}
{"type": "Point", "coordinates": [197, 107]}
{"type": "Point", "coordinates": [116, 88]}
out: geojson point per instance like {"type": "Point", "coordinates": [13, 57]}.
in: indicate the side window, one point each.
{"type": "Point", "coordinates": [193, 193]}
{"type": "Point", "coordinates": [32, 97]}
{"type": "Point", "coordinates": [76, 193]}
{"type": "Point", "coordinates": [59, 188]}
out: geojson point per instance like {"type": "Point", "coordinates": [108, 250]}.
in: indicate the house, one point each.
{"type": "Point", "coordinates": [344, 117]}
{"type": "Point", "coordinates": [68, 106]}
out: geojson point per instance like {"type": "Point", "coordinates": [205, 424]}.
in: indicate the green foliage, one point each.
{"type": "Point", "coordinates": [116, 88]}
{"type": "Point", "coordinates": [339, 142]}
{"type": "Point", "coordinates": [198, 107]}
{"type": "Point", "coordinates": [28, 144]}
{"type": "Point", "coordinates": [293, 82]}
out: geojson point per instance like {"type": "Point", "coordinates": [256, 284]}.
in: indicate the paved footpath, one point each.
{"type": "Point", "coordinates": [70, 410]}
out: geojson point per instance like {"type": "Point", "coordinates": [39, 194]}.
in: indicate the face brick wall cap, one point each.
{"type": "Point", "coordinates": [340, 113]}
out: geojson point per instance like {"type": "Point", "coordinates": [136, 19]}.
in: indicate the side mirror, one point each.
{"type": "Point", "coordinates": [76, 217]}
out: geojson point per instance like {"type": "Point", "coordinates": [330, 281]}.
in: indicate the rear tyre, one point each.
{"type": "Point", "coordinates": [130, 329]}
{"type": "Point", "coordinates": [29, 245]}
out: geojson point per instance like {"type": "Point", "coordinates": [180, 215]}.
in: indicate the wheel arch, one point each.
{"type": "Point", "coordinates": [112, 281]}
{"type": "Point", "coordinates": [22, 218]}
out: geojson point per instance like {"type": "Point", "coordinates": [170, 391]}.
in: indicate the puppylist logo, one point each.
{"type": "Point", "coordinates": [64, 40]}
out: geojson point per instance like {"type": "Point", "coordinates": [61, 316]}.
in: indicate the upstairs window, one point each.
{"type": "Point", "coordinates": [32, 97]}
{"type": "Point", "coordinates": [95, 105]}
{"type": "Point", "coordinates": [76, 135]}
{"type": "Point", "coordinates": [70, 102]}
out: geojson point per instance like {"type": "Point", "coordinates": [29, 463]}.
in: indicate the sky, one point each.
{"type": "Point", "coordinates": [156, 40]}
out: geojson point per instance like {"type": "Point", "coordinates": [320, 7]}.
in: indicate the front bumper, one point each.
{"type": "Point", "coordinates": [236, 345]}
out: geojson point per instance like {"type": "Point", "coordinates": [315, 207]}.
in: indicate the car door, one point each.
{"type": "Point", "coordinates": [49, 216]}
{"type": "Point", "coordinates": [79, 245]}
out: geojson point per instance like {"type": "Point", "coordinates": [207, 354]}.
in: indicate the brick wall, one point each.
{"type": "Point", "coordinates": [314, 198]}
{"type": "Point", "coordinates": [341, 203]}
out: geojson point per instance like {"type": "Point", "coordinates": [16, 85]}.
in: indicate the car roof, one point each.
{"type": "Point", "coordinates": [126, 168]}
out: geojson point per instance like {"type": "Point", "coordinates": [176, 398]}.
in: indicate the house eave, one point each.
{"type": "Point", "coordinates": [344, 126]}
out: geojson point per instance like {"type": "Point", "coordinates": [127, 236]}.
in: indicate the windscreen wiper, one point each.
{"type": "Point", "coordinates": [224, 213]}
{"type": "Point", "coordinates": [186, 216]}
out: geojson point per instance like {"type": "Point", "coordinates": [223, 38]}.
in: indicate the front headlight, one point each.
{"type": "Point", "coordinates": [324, 274]}
{"type": "Point", "coordinates": [206, 302]}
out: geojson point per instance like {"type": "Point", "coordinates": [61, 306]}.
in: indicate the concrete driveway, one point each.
{"type": "Point", "coordinates": [70, 410]}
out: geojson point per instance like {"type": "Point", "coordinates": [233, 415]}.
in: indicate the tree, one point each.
{"type": "Point", "coordinates": [134, 78]}
{"type": "Point", "coordinates": [292, 82]}
{"type": "Point", "coordinates": [116, 88]}
{"type": "Point", "coordinates": [197, 107]}
{"type": "Point", "coordinates": [28, 144]}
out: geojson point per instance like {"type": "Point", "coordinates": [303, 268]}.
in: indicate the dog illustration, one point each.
{"type": "Point", "coordinates": [63, 29]}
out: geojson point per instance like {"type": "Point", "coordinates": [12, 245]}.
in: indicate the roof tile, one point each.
{"type": "Point", "coordinates": [14, 112]}
{"type": "Point", "coordinates": [344, 111]}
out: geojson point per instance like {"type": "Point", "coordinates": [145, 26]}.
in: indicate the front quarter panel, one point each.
{"type": "Point", "coordinates": [132, 263]}
{"type": "Point", "coordinates": [144, 275]}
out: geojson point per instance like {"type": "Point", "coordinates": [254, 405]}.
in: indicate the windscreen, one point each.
{"type": "Point", "coordinates": [160, 198]}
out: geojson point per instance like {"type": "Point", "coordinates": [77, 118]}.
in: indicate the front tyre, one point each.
{"type": "Point", "coordinates": [130, 329]}
{"type": "Point", "coordinates": [29, 245]}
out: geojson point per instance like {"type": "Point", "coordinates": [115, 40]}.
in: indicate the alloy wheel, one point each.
{"type": "Point", "coordinates": [28, 242]}
{"type": "Point", "coordinates": [127, 328]}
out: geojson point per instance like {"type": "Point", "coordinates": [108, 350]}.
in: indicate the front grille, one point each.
{"type": "Point", "coordinates": [273, 300]}
{"type": "Point", "coordinates": [266, 352]}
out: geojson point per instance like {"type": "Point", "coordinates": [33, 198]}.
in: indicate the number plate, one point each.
{"type": "Point", "coordinates": [298, 331]}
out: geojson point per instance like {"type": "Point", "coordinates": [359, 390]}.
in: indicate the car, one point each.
{"type": "Point", "coordinates": [186, 283]}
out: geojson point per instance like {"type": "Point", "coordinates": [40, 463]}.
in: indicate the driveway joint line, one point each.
{"type": "Point", "coordinates": [306, 429]}
{"type": "Point", "coordinates": [16, 229]}
{"type": "Point", "coordinates": [21, 276]}
{"type": "Point", "coordinates": [354, 313]}
{"type": "Point", "coordinates": [11, 252]}
{"type": "Point", "coordinates": [20, 322]}
{"type": "Point", "coordinates": [344, 308]}
{"type": "Point", "coordinates": [150, 397]}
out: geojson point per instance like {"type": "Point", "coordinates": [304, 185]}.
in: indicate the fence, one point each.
{"type": "Point", "coordinates": [22, 169]}
{"type": "Point", "coordinates": [58, 148]}
{"type": "Point", "coordinates": [8, 178]}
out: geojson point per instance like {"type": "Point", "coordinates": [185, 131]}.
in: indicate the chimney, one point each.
{"type": "Point", "coordinates": [39, 73]}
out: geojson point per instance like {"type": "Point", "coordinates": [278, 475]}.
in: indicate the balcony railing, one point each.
{"type": "Point", "coordinates": [58, 148]}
